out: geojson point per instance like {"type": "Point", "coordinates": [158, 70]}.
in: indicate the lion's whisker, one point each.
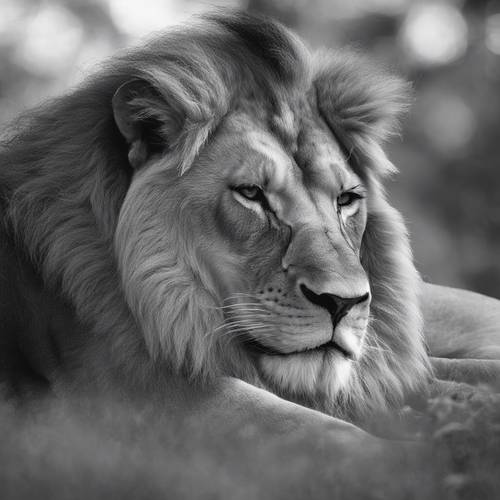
{"type": "Point", "coordinates": [248, 314]}
{"type": "Point", "coordinates": [377, 343]}
{"type": "Point", "coordinates": [235, 324]}
{"type": "Point", "coordinates": [380, 349]}
{"type": "Point", "coordinates": [247, 328]}
{"type": "Point", "coordinates": [247, 308]}
{"type": "Point", "coordinates": [236, 304]}
{"type": "Point", "coordinates": [238, 295]}
{"type": "Point", "coordinates": [241, 324]}
{"type": "Point", "coordinates": [243, 307]}
{"type": "Point", "coordinates": [240, 332]}
{"type": "Point", "coordinates": [226, 326]}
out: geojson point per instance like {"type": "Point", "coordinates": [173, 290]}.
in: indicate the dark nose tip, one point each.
{"type": "Point", "coordinates": [337, 306]}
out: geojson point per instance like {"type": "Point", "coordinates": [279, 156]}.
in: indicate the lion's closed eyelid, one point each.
{"type": "Point", "coordinates": [359, 189]}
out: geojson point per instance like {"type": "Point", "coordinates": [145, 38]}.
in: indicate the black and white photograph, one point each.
{"type": "Point", "coordinates": [249, 249]}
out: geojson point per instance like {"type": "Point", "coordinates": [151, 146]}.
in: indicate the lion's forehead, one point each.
{"type": "Point", "coordinates": [277, 164]}
{"type": "Point", "coordinates": [306, 153]}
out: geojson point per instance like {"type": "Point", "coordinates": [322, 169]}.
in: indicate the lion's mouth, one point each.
{"type": "Point", "coordinates": [331, 345]}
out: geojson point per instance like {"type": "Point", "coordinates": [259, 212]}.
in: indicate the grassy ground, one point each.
{"type": "Point", "coordinates": [59, 450]}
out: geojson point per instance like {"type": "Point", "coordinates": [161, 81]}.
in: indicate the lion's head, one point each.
{"type": "Point", "coordinates": [236, 179]}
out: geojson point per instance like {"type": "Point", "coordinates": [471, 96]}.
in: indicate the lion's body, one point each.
{"type": "Point", "coordinates": [101, 281]}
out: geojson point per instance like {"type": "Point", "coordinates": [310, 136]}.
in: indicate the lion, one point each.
{"type": "Point", "coordinates": [203, 221]}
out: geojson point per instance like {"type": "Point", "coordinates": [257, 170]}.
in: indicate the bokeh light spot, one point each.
{"type": "Point", "coordinates": [52, 37]}
{"type": "Point", "coordinates": [434, 34]}
{"type": "Point", "coordinates": [492, 33]}
{"type": "Point", "coordinates": [137, 19]}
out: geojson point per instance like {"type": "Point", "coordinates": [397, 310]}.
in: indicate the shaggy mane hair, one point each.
{"type": "Point", "coordinates": [64, 175]}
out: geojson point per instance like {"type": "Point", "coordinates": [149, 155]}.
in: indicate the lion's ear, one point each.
{"type": "Point", "coordinates": [144, 120]}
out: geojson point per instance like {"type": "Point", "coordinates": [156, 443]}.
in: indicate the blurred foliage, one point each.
{"type": "Point", "coordinates": [449, 185]}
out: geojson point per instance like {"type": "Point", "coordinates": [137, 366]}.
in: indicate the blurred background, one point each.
{"type": "Point", "coordinates": [449, 152]}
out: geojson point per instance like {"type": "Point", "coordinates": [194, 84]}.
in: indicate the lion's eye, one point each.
{"type": "Point", "coordinates": [347, 198]}
{"type": "Point", "coordinates": [252, 192]}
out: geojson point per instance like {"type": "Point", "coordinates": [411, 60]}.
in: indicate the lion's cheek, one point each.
{"type": "Point", "coordinates": [224, 271]}
{"type": "Point", "coordinates": [308, 374]}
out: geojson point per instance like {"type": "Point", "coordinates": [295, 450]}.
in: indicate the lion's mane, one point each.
{"type": "Point", "coordinates": [64, 176]}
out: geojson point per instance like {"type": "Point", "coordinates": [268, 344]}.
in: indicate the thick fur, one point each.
{"type": "Point", "coordinates": [64, 176]}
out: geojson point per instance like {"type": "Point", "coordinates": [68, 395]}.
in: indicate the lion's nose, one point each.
{"type": "Point", "coordinates": [337, 306]}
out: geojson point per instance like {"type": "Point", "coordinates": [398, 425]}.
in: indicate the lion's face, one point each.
{"type": "Point", "coordinates": [282, 229]}
{"type": "Point", "coordinates": [250, 242]}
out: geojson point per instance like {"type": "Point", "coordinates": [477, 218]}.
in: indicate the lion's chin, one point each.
{"type": "Point", "coordinates": [311, 373]}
